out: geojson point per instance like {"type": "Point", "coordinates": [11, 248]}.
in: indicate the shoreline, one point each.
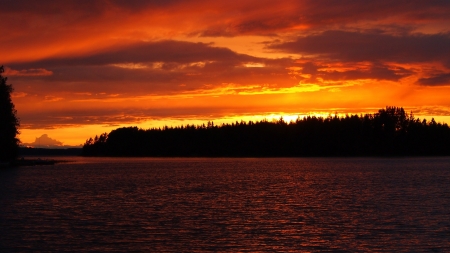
{"type": "Point", "coordinates": [29, 162]}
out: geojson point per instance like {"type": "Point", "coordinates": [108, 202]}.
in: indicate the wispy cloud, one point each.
{"type": "Point", "coordinates": [27, 72]}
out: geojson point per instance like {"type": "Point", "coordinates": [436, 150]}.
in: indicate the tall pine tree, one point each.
{"type": "Point", "coordinates": [9, 143]}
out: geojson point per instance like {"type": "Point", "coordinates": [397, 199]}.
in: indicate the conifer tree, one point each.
{"type": "Point", "coordinates": [9, 123]}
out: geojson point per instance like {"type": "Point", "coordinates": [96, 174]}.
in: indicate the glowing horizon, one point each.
{"type": "Point", "coordinates": [65, 133]}
{"type": "Point", "coordinates": [81, 70]}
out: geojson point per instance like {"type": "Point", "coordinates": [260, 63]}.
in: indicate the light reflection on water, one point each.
{"type": "Point", "coordinates": [228, 205]}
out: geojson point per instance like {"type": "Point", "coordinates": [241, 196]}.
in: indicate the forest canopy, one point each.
{"type": "Point", "coordinates": [390, 132]}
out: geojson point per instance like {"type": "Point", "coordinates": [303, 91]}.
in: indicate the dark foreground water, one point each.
{"type": "Point", "coordinates": [227, 205]}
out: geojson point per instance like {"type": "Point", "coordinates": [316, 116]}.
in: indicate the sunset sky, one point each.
{"type": "Point", "coordinates": [81, 68]}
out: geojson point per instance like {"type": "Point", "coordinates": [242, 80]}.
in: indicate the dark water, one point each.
{"type": "Point", "coordinates": [227, 205]}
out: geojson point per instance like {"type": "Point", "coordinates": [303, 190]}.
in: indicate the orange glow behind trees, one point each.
{"type": "Point", "coordinates": [92, 67]}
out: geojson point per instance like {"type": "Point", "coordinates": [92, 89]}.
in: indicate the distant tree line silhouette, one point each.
{"type": "Point", "coordinates": [390, 132]}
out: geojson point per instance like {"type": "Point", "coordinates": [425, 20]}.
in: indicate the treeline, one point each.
{"type": "Point", "coordinates": [390, 132]}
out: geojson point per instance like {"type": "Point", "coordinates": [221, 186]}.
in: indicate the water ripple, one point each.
{"type": "Point", "coordinates": [228, 205]}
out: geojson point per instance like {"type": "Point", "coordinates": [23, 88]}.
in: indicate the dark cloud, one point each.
{"type": "Point", "coordinates": [376, 71]}
{"type": "Point", "coordinates": [137, 5]}
{"type": "Point", "coordinates": [319, 15]}
{"type": "Point", "coordinates": [374, 47]}
{"type": "Point", "coordinates": [56, 6]}
{"type": "Point", "coordinates": [245, 17]}
{"type": "Point", "coordinates": [168, 67]}
{"type": "Point", "coordinates": [51, 119]}
{"type": "Point", "coordinates": [351, 10]}
{"type": "Point", "coordinates": [146, 52]}
{"type": "Point", "coordinates": [166, 80]}
{"type": "Point", "coordinates": [151, 68]}
{"type": "Point", "coordinates": [309, 68]}
{"type": "Point", "coordinates": [267, 26]}
{"type": "Point", "coordinates": [436, 80]}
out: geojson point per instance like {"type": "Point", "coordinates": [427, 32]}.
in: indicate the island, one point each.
{"type": "Point", "coordinates": [390, 132]}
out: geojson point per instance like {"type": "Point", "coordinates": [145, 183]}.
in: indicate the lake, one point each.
{"type": "Point", "coordinates": [227, 205]}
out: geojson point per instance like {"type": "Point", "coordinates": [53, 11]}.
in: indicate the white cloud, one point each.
{"type": "Point", "coordinates": [45, 142]}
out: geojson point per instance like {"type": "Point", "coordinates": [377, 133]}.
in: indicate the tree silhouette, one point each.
{"type": "Point", "coordinates": [390, 132]}
{"type": "Point", "coordinates": [9, 143]}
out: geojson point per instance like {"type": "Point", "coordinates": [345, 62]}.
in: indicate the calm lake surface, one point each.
{"type": "Point", "coordinates": [227, 205]}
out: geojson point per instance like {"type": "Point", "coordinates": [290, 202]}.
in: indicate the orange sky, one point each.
{"type": "Point", "coordinates": [81, 68]}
